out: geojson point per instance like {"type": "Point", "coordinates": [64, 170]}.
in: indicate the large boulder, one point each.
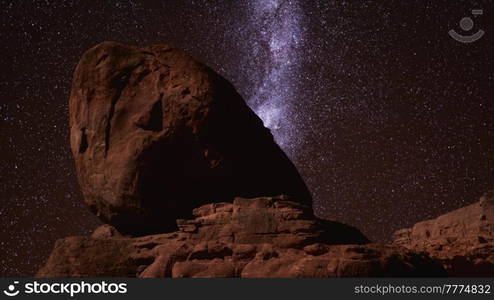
{"type": "Point", "coordinates": [462, 240]}
{"type": "Point", "coordinates": [261, 237]}
{"type": "Point", "coordinates": [155, 133]}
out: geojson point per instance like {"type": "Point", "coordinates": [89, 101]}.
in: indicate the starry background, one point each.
{"type": "Point", "coordinates": [387, 118]}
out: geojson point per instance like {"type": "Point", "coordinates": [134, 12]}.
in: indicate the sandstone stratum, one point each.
{"type": "Point", "coordinates": [260, 237]}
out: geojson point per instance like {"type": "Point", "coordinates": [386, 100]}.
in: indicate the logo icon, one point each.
{"type": "Point", "coordinates": [467, 24]}
{"type": "Point", "coordinates": [11, 291]}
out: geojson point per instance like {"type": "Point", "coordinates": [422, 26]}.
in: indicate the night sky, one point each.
{"type": "Point", "coordinates": [388, 119]}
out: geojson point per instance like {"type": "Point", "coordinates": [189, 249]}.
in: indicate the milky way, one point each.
{"type": "Point", "coordinates": [278, 26]}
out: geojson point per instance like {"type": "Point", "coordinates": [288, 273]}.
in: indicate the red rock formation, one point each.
{"type": "Point", "coordinates": [155, 133]}
{"type": "Point", "coordinates": [462, 240]}
{"type": "Point", "coordinates": [262, 237]}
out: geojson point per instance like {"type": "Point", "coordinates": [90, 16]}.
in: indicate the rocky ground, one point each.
{"type": "Point", "coordinates": [260, 237]}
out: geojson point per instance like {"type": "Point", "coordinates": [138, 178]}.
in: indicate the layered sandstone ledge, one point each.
{"type": "Point", "coordinates": [260, 237]}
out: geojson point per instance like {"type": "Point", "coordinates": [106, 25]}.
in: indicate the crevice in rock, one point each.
{"type": "Point", "coordinates": [142, 75]}
{"type": "Point", "coordinates": [118, 82]}
{"type": "Point", "coordinates": [155, 122]}
{"type": "Point", "coordinates": [102, 58]}
{"type": "Point", "coordinates": [83, 145]}
{"type": "Point", "coordinates": [149, 245]}
{"type": "Point", "coordinates": [185, 92]}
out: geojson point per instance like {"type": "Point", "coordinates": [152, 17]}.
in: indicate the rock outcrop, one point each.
{"type": "Point", "coordinates": [261, 237]}
{"type": "Point", "coordinates": [461, 240]}
{"type": "Point", "coordinates": [186, 176]}
{"type": "Point", "coordinates": [155, 134]}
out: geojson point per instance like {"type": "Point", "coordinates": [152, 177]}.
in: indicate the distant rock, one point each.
{"type": "Point", "coordinates": [261, 237]}
{"type": "Point", "coordinates": [461, 240]}
{"type": "Point", "coordinates": [155, 133]}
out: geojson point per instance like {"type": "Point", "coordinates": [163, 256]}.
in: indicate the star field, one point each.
{"type": "Point", "coordinates": [387, 118]}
